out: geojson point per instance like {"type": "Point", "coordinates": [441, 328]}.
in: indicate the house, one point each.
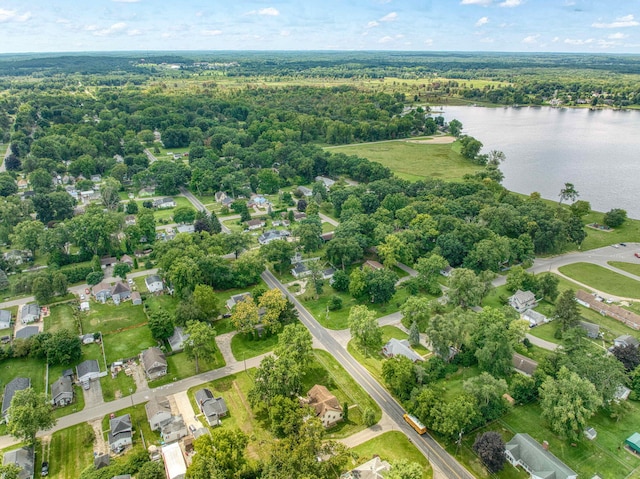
{"type": "Point", "coordinates": [396, 347]}
{"type": "Point", "coordinates": [85, 306]}
{"type": "Point", "coordinates": [534, 318]}
{"type": "Point", "coordinates": [14, 256]}
{"type": "Point", "coordinates": [177, 339]}
{"type": "Point", "coordinates": [220, 195]}
{"type": "Point", "coordinates": [130, 220]}
{"type": "Point", "coordinates": [164, 203]}
{"type": "Point", "coordinates": [126, 259]}
{"type": "Point", "coordinates": [101, 291]}
{"type": "Point", "coordinates": [326, 237]}
{"type": "Point", "coordinates": [227, 202]}
{"type": "Point", "coordinates": [524, 365]}
{"type": "Point", "coordinates": [525, 451]}
{"type": "Point", "coordinates": [101, 460]}
{"type": "Point", "coordinates": [325, 404]}
{"type": "Point", "coordinates": [120, 292]}
{"type": "Point", "coordinates": [236, 298]}
{"type": "Point", "coordinates": [622, 393]}
{"type": "Point", "coordinates": [523, 300]}
{"type": "Point", "coordinates": [255, 224]}
{"type": "Point", "coordinates": [376, 468]}
{"type": "Point", "coordinates": [96, 178]}
{"type": "Point", "coordinates": [446, 272]}
{"type": "Point", "coordinates": [154, 283]}
{"type": "Point", "coordinates": [108, 261]}
{"type": "Point", "coordinates": [633, 442]}
{"type": "Point", "coordinates": [590, 433]}
{"type": "Point", "coordinates": [620, 341]}
{"type": "Point", "coordinates": [212, 407]}
{"type": "Point", "coordinates": [592, 330]}
{"type": "Point", "coordinates": [273, 235]}
{"type": "Point", "coordinates": [87, 371]}
{"type": "Point", "coordinates": [87, 338]}
{"type": "Point", "coordinates": [328, 182]}
{"type": "Point", "coordinates": [120, 433]}
{"type": "Point", "coordinates": [174, 430]}
{"type": "Point", "coordinates": [186, 229]}
{"type": "Point", "coordinates": [305, 191]}
{"type": "Point", "coordinates": [328, 273]}
{"type": "Point", "coordinates": [136, 299]}
{"type": "Point", "coordinates": [62, 392]}
{"type": "Point", "coordinates": [5, 319]}
{"type": "Point", "coordinates": [158, 412]}
{"type": "Point", "coordinates": [24, 458]}
{"type": "Point", "coordinates": [175, 466]}
{"type": "Point", "coordinates": [22, 184]}
{"type": "Point", "coordinates": [257, 200]}
{"type": "Point", "coordinates": [300, 270]}
{"type": "Point", "coordinates": [372, 265]}
{"type": "Point", "coordinates": [29, 313]}
{"type": "Point", "coordinates": [299, 215]}
{"type": "Point", "coordinates": [27, 332]}
{"type": "Point", "coordinates": [16, 384]}
{"type": "Point", "coordinates": [154, 362]}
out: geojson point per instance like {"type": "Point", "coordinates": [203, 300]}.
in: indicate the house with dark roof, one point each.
{"type": "Point", "coordinates": [177, 339]}
{"type": "Point", "coordinates": [101, 460]}
{"type": "Point", "coordinates": [237, 298]}
{"type": "Point", "coordinates": [16, 384]}
{"type": "Point", "coordinates": [164, 203]}
{"type": "Point", "coordinates": [29, 313]}
{"type": "Point", "coordinates": [158, 412]}
{"type": "Point", "coordinates": [120, 292]}
{"type": "Point", "coordinates": [526, 452]}
{"type": "Point", "coordinates": [27, 332]}
{"type": "Point", "coordinates": [325, 404]}
{"type": "Point", "coordinates": [592, 330]}
{"type": "Point", "coordinates": [273, 235]}
{"type": "Point", "coordinates": [126, 259]}
{"type": "Point", "coordinates": [5, 319]}
{"type": "Point", "coordinates": [120, 433]}
{"type": "Point", "coordinates": [154, 362]}
{"type": "Point", "coordinates": [300, 270]}
{"type": "Point", "coordinates": [522, 300]}
{"type": "Point", "coordinates": [400, 347]}
{"type": "Point", "coordinates": [154, 283]}
{"type": "Point", "coordinates": [101, 291]}
{"type": "Point", "coordinates": [24, 458]}
{"type": "Point", "coordinates": [524, 365]}
{"type": "Point", "coordinates": [621, 341]}
{"type": "Point", "coordinates": [212, 407]}
{"type": "Point", "coordinates": [62, 392]}
{"type": "Point", "coordinates": [219, 196]}
{"type": "Point", "coordinates": [86, 371]}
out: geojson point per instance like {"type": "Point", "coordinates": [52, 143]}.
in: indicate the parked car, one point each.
{"type": "Point", "coordinates": [623, 244]}
{"type": "Point", "coordinates": [82, 297]}
{"type": "Point", "coordinates": [637, 255]}
{"type": "Point", "coordinates": [44, 471]}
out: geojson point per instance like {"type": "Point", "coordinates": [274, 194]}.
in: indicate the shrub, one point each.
{"type": "Point", "coordinates": [335, 303]}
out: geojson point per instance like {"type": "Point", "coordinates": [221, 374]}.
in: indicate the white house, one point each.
{"type": "Point", "coordinates": [30, 313]}
{"type": "Point", "coordinates": [325, 404]}
{"type": "Point", "coordinates": [397, 347]}
{"type": "Point", "coordinates": [525, 451]}
{"type": "Point", "coordinates": [120, 433]}
{"type": "Point", "coordinates": [154, 283]}
{"type": "Point", "coordinates": [158, 412]}
{"type": "Point", "coordinates": [5, 319]}
{"type": "Point", "coordinates": [164, 203]}
{"type": "Point", "coordinates": [523, 300]}
{"type": "Point", "coordinates": [534, 318]}
{"type": "Point", "coordinates": [174, 464]}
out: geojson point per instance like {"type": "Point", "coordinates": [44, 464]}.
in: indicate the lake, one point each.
{"type": "Point", "coordinates": [598, 151]}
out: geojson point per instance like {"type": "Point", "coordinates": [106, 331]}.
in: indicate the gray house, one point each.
{"type": "Point", "coordinates": [120, 292]}
{"type": "Point", "coordinates": [524, 365]}
{"type": "Point", "coordinates": [62, 392]}
{"type": "Point", "coordinates": [136, 299]}
{"type": "Point", "coordinates": [397, 347]}
{"type": "Point", "coordinates": [237, 298]}
{"type": "Point", "coordinates": [158, 412]}
{"type": "Point", "coordinates": [174, 430]}
{"type": "Point", "coordinates": [534, 318]}
{"type": "Point", "coordinates": [17, 384]}
{"type": "Point", "coordinates": [273, 235]}
{"type": "Point", "coordinates": [592, 330]}
{"type": "Point", "coordinates": [30, 313]}
{"type": "Point", "coordinates": [176, 341]}
{"type": "Point", "coordinates": [27, 332]}
{"type": "Point", "coordinates": [24, 458]}
{"type": "Point", "coordinates": [101, 291]}
{"type": "Point", "coordinates": [154, 362]}
{"type": "Point", "coordinates": [523, 300]}
{"type": "Point", "coordinates": [154, 283]}
{"type": "Point", "coordinates": [5, 319]}
{"type": "Point", "coordinates": [525, 451]}
{"type": "Point", "coordinates": [120, 433]}
{"type": "Point", "coordinates": [625, 340]}
{"type": "Point", "coordinates": [86, 371]}
{"type": "Point", "coordinates": [213, 408]}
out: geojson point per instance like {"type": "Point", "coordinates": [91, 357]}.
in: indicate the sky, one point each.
{"type": "Point", "coordinates": [602, 26]}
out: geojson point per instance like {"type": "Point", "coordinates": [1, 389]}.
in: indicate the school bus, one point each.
{"type": "Point", "coordinates": [415, 423]}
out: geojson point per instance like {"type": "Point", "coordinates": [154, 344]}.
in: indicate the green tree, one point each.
{"type": "Point", "coordinates": [490, 449]}
{"type": "Point", "coordinates": [147, 223]}
{"type": "Point", "coordinates": [184, 214]}
{"type": "Point", "coordinates": [109, 193]}
{"type": "Point", "coordinates": [29, 413]}
{"type": "Point", "coordinates": [8, 186]}
{"type": "Point", "coordinates": [63, 347]}
{"type": "Point", "coordinates": [568, 402]}
{"type": "Point", "coordinates": [404, 469]}
{"type": "Point", "coordinates": [132, 207]}
{"type": "Point", "coordinates": [453, 417]}
{"type": "Point", "coordinates": [161, 325]}
{"type": "Point", "coordinates": [448, 331]}
{"type": "Point", "coordinates": [398, 374]}
{"type": "Point", "coordinates": [364, 328]}
{"type": "Point", "coordinates": [10, 471]}
{"type": "Point", "coordinates": [428, 269]}
{"type": "Point", "coordinates": [566, 310]}
{"type": "Point", "coordinates": [344, 251]}
{"type": "Point", "coordinates": [201, 344]}
{"type": "Point", "coordinates": [380, 284]}
{"type": "Point", "coordinates": [41, 180]}
{"type": "Point", "coordinates": [274, 304]}
{"type": "Point", "coordinates": [121, 270]}
{"type": "Point", "coordinates": [455, 127]}
{"type": "Point", "coordinates": [220, 455]}
{"type": "Point", "coordinates": [488, 392]}
{"type": "Point", "coordinates": [94, 277]}
{"type": "Point", "coordinates": [244, 316]}
{"type": "Point", "coordinates": [615, 218]}
{"type": "Point", "coordinates": [42, 289]}
{"type": "Point", "coordinates": [466, 288]}
{"type": "Point", "coordinates": [414, 334]}
{"type": "Point", "coordinates": [568, 192]}
{"type": "Point", "coordinates": [237, 242]}
{"type": "Point", "coordinates": [151, 470]}
{"type": "Point", "coordinates": [26, 235]}
{"type": "Point", "coordinates": [279, 253]}
{"type": "Point", "coordinates": [296, 343]}
{"type": "Point", "coordinates": [204, 298]}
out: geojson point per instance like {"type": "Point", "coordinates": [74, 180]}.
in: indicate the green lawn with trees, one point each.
{"type": "Point", "coordinates": [66, 465]}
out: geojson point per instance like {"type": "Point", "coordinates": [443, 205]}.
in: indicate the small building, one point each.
{"type": "Point", "coordinates": [14, 256]}
{"type": "Point", "coordinates": [136, 299]}
{"type": "Point", "coordinates": [622, 393]}
{"type": "Point", "coordinates": [86, 371]}
{"type": "Point", "coordinates": [523, 300]}
{"type": "Point", "coordinates": [85, 306]}
{"type": "Point", "coordinates": [24, 458]}
{"type": "Point", "coordinates": [592, 330]}
{"type": "Point", "coordinates": [158, 412]}
{"type": "Point", "coordinates": [633, 442]}
{"type": "Point", "coordinates": [328, 273]}
{"type": "Point", "coordinates": [186, 229]}
{"type": "Point", "coordinates": [154, 362]}
{"type": "Point", "coordinates": [325, 404]}
{"type": "Point", "coordinates": [27, 332]}
{"type": "Point", "coordinates": [120, 433]}
{"type": "Point", "coordinates": [62, 392]}
{"type": "Point", "coordinates": [524, 365]}
{"type": "Point", "coordinates": [5, 319]}
{"type": "Point", "coordinates": [108, 261]}
{"type": "Point", "coordinates": [237, 298]}
{"type": "Point", "coordinates": [376, 468]}
{"type": "Point", "coordinates": [372, 265]}
{"type": "Point", "coordinates": [300, 270]}
{"type": "Point", "coordinates": [525, 451]}
{"type": "Point", "coordinates": [177, 339]}
{"type": "Point", "coordinates": [273, 235]}
{"type": "Point", "coordinates": [308, 192]}
{"type": "Point", "coordinates": [16, 384]}
{"type": "Point", "coordinates": [120, 291]}
{"type": "Point", "coordinates": [328, 182]}
{"type": "Point", "coordinates": [255, 224]}
{"type": "Point", "coordinates": [326, 237]}
{"type": "Point", "coordinates": [299, 215]}
{"type": "Point", "coordinates": [30, 313]}
{"type": "Point", "coordinates": [174, 464]}
{"type": "Point", "coordinates": [163, 203]}
{"type": "Point", "coordinates": [446, 272]}
{"type": "Point", "coordinates": [126, 259]}
{"type": "Point", "coordinates": [154, 283]}
{"type": "Point", "coordinates": [174, 430]}
{"type": "Point", "coordinates": [400, 347]}
{"type": "Point", "coordinates": [130, 220]}
{"type": "Point", "coordinates": [590, 433]}
{"type": "Point", "coordinates": [220, 196]}
{"type": "Point", "coordinates": [101, 291]}
{"type": "Point", "coordinates": [101, 460]}
{"type": "Point", "coordinates": [87, 338]}
{"type": "Point", "coordinates": [620, 341]}
{"type": "Point", "coordinates": [212, 407]}
{"type": "Point", "coordinates": [534, 318]}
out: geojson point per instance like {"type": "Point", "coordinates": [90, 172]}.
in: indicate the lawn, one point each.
{"type": "Point", "coordinates": [327, 227]}
{"type": "Point", "coordinates": [120, 386]}
{"type": "Point", "coordinates": [34, 369]}
{"type": "Point", "coordinates": [629, 232]}
{"type": "Point", "coordinates": [180, 367]}
{"type": "Point", "coordinates": [77, 405]}
{"type": "Point", "coordinates": [62, 317]}
{"type": "Point", "coordinates": [127, 344]}
{"type": "Point", "coordinates": [414, 161]}
{"type": "Point", "coordinates": [390, 446]}
{"type": "Point", "coordinates": [163, 302]}
{"type": "Point", "coordinates": [633, 268]}
{"type": "Point", "coordinates": [71, 451]}
{"type": "Point", "coordinates": [602, 279]}
{"type": "Point", "coordinates": [245, 346]}
{"type": "Point", "coordinates": [166, 214]}
{"type": "Point", "coordinates": [108, 318]}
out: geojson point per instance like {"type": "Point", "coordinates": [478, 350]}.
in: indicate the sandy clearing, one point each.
{"type": "Point", "coordinates": [437, 140]}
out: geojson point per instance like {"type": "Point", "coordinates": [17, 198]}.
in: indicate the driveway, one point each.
{"type": "Point", "coordinates": [93, 395]}
{"type": "Point", "coordinates": [184, 407]}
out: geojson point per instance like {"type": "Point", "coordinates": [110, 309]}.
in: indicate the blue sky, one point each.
{"type": "Point", "coordinates": [431, 25]}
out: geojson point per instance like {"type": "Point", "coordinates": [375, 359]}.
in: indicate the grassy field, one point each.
{"type": "Point", "coordinates": [166, 214]}
{"type": "Point", "coordinates": [180, 367]}
{"type": "Point", "coordinates": [71, 451]}
{"type": "Point", "coordinates": [244, 346]}
{"type": "Point", "coordinates": [108, 318]}
{"type": "Point", "coordinates": [627, 233]}
{"type": "Point", "coordinates": [61, 317]}
{"type": "Point", "coordinates": [633, 268]}
{"type": "Point", "coordinates": [75, 406]}
{"type": "Point", "coordinates": [23, 368]}
{"type": "Point", "coordinates": [414, 161]}
{"type": "Point", "coordinates": [127, 344]}
{"type": "Point", "coordinates": [390, 446]}
{"type": "Point", "coordinates": [602, 279]}
{"type": "Point", "coordinates": [120, 386]}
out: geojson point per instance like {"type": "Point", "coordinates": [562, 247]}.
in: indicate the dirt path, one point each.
{"type": "Point", "coordinates": [100, 445]}
{"type": "Point", "coordinates": [224, 344]}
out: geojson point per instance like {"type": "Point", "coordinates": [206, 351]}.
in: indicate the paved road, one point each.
{"type": "Point", "coordinates": [197, 204]}
{"type": "Point", "coordinates": [441, 459]}
{"type": "Point", "coordinates": [3, 167]}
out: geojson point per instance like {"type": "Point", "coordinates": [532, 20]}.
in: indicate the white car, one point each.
{"type": "Point", "coordinates": [130, 281]}
{"type": "Point", "coordinates": [82, 297]}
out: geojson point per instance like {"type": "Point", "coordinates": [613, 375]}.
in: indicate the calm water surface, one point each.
{"type": "Point", "coordinates": [597, 151]}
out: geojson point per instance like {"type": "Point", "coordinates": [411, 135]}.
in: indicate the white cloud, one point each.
{"type": "Point", "coordinates": [482, 21]}
{"type": "Point", "coordinates": [372, 24]}
{"type": "Point", "coordinates": [389, 17]}
{"type": "Point", "coordinates": [285, 33]}
{"type": "Point", "coordinates": [212, 33]}
{"type": "Point", "coordinates": [617, 36]}
{"type": "Point", "coordinates": [487, 40]}
{"type": "Point", "coordinates": [134, 33]}
{"type": "Point", "coordinates": [112, 30]}
{"type": "Point", "coordinates": [268, 11]}
{"type": "Point", "coordinates": [555, 39]}
{"type": "Point", "coordinates": [428, 42]}
{"type": "Point", "coordinates": [531, 39]}
{"type": "Point", "coordinates": [578, 41]}
{"type": "Point", "coordinates": [385, 39]}
{"type": "Point", "coordinates": [13, 16]}
{"type": "Point", "coordinates": [510, 3]}
{"type": "Point", "coordinates": [620, 22]}
{"type": "Point", "coordinates": [484, 3]}
{"type": "Point", "coordinates": [606, 44]}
